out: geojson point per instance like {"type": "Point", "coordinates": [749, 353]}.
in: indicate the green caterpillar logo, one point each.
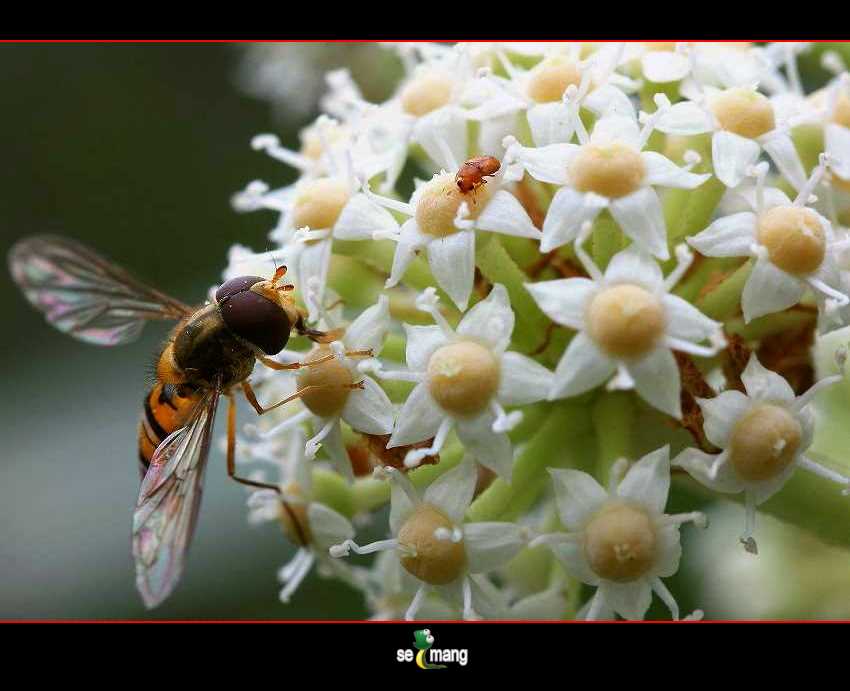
{"type": "Point", "coordinates": [422, 641]}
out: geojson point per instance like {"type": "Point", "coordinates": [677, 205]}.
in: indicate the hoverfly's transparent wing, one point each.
{"type": "Point", "coordinates": [168, 504]}
{"type": "Point", "coordinates": [85, 295]}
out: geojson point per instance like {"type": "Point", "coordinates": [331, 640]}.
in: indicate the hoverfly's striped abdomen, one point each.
{"type": "Point", "coordinates": [167, 408]}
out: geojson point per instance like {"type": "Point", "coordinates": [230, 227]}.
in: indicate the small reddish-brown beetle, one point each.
{"type": "Point", "coordinates": [471, 174]}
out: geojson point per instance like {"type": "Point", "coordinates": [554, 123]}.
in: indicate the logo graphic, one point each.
{"type": "Point", "coordinates": [423, 640]}
{"type": "Point", "coordinates": [426, 654]}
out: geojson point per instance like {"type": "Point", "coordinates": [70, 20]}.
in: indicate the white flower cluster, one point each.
{"type": "Point", "coordinates": [527, 247]}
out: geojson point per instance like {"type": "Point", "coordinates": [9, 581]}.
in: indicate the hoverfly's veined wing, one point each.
{"type": "Point", "coordinates": [168, 504]}
{"type": "Point", "coordinates": [85, 295]}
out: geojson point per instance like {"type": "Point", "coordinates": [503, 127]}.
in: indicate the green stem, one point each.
{"type": "Point", "coordinates": [607, 239]}
{"type": "Point", "coordinates": [497, 267]}
{"type": "Point", "coordinates": [566, 421]}
{"type": "Point", "coordinates": [613, 415]}
{"type": "Point", "coordinates": [724, 300]}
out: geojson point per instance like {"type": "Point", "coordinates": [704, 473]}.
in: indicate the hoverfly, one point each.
{"type": "Point", "coordinates": [209, 353]}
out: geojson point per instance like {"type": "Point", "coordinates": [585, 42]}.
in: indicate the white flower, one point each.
{"type": "Point", "coordinates": [608, 169]}
{"type": "Point", "coordinates": [620, 541]}
{"type": "Point", "coordinates": [836, 132]}
{"type": "Point", "coordinates": [336, 390]}
{"type": "Point", "coordinates": [443, 221]}
{"type": "Point", "coordinates": [743, 123]}
{"type": "Point", "coordinates": [314, 211]}
{"type": "Point", "coordinates": [464, 378]}
{"type": "Point", "coordinates": [542, 92]}
{"type": "Point", "coordinates": [436, 546]}
{"type": "Point", "coordinates": [628, 323]}
{"type": "Point", "coordinates": [792, 244]}
{"type": "Point", "coordinates": [310, 525]}
{"type": "Point", "coordinates": [763, 434]}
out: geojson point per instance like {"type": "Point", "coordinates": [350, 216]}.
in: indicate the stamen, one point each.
{"type": "Point", "coordinates": [617, 473]}
{"type": "Point", "coordinates": [270, 144]}
{"type": "Point", "coordinates": [415, 604]}
{"type": "Point", "coordinates": [662, 105]}
{"type": "Point", "coordinates": [344, 548]}
{"type": "Point", "coordinates": [694, 349]}
{"type": "Point", "coordinates": [825, 473]}
{"type": "Point", "coordinates": [312, 446]}
{"type": "Point", "coordinates": [698, 518]}
{"type": "Point", "coordinates": [386, 202]}
{"type": "Point", "coordinates": [553, 539]}
{"type": "Point", "coordinates": [747, 538]}
{"type": "Point", "coordinates": [297, 577]}
{"type": "Point", "coordinates": [504, 421]}
{"type": "Point", "coordinates": [804, 399]}
{"type": "Point", "coordinates": [296, 419]}
{"type": "Point", "coordinates": [684, 259]}
{"type": "Point", "coordinates": [759, 172]}
{"type": "Point", "coordinates": [595, 608]}
{"type": "Point", "coordinates": [813, 181]}
{"type": "Point", "coordinates": [415, 456]}
{"type": "Point", "coordinates": [462, 220]}
{"type": "Point", "coordinates": [839, 298]}
{"type": "Point", "coordinates": [589, 265]}
{"type": "Point", "coordinates": [376, 368]}
{"type": "Point", "coordinates": [395, 476]}
{"type": "Point", "coordinates": [469, 614]}
{"type": "Point", "coordinates": [285, 572]}
{"type": "Point", "coordinates": [571, 102]}
{"type": "Point", "coordinates": [666, 596]}
{"type": "Point", "coordinates": [428, 301]}
{"type": "Point", "coordinates": [792, 70]}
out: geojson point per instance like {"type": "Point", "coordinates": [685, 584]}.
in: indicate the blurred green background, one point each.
{"type": "Point", "coordinates": [136, 150]}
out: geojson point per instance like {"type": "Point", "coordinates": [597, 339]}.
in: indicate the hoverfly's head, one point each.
{"type": "Point", "coordinates": [258, 310]}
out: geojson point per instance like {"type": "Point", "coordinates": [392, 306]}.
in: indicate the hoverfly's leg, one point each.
{"type": "Point", "coordinates": [275, 365]}
{"type": "Point", "coordinates": [231, 449]}
{"type": "Point", "coordinates": [252, 398]}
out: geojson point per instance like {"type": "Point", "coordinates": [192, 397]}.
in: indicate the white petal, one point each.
{"type": "Point", "coordinates": [400, 509]}
{"type": "Point", "coordinates": [448, 124]}
{"type": "Point", "coordinates": [327, 526]}
{"type": "Point", "coordinates": [369, 410]}
{"type": "Point", "coordinates": [669, 551]}
{"type": "Point", "coordinates": [548, 163]}
{"type": "Point", "coordinates": [613, 127]}
{"type": "Point", "coordinates": [640, 216]}
{"type": "Point", "coordinates": [578, 496]}
{"type": "Point", "coordinates": [634, 265]}
{"type": "Point", "coordinates": [684, 119]}
{"type": "Point", "coordinates": [566, 214]}
{"type": "Point", "coordinates": [491, 320]}
{"type": "Point", "coordinates": [764, 385]}
{"type": "Point", "coordinates": [728, 236]}
{"type": "Point", "coordinates": [768, 290]}
{"type": "Point", "coordinates": [523, 380]}
{"type": "Point", "coordinates": [334, 447]}
{"type": "Point", "coordinates": [564, 300]}
{"type": "Point", "coordinates": [546, 605]}
{"type": "Point", "coordinates": [491, 545]}
{"type": "Point", "coordinates": [685, 321]}
{"type": "Point", "coordinates": [712, 471]}
{"type": "Point", "coordinates": [582, 367]}
{"type": "Point", "coordinates": [629, 600]}
{"type": "Point", "coordinates": [657, 381]}
{"type": "Point", "coordinates": [764, 490]}
{"type": "Point", "coordinates": [608, 99]}
{"type": "Point", "coordinates": [550, 123]}
{"type": "Point", "coordinates": [314, 259]}
{"type": "Point", "coordinates": [418, 420]}
{"type": "Point", "coordinates": [648, 480]}
{"type": "Point", "coordinates": [370, 329]}
{"type": "Point", "coordinates": [452, 492]}
{"type": "Point", "coordinates": [361, 217]}
{"type": "Point", "coordinates": [665, 66]}
{"type": "Point", "coordinates": [837, 145]}
{"type": "Point", "coordinates": [660, 170]}
{"type": "Point", "coordinates": [504, 214]}
{"type": "Point", "coordinates": [571, 555]}
{"type": "Point", "coordinates": [491, 449]}
{"type": "Point", "coordinates": [422, 341]}
{"type": "Point", "coordinates": [732, 156]}
{"type": "Point", "coordinates": [721, 414]}
{"type": "Point", "coordinates": [410, 241]}
{"type": "Point", "coordinates": [452, 261]}
{"type": "Point", "coordinates": [781, 149]}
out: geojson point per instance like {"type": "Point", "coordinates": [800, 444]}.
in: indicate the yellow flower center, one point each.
{"type": "Point", "coordinates": [549, 79]}
{"type": "Point", "coordinates": [764, 443]}
{"type": "Point", "coordinates": [793, 237]}
{"type": "Point", "coordinates": [439, 200]}
{"type": "Point", "coordinates": [426, 92]}
{"type": "Point", "coordinates": [463, 377]}
{"type": "Point", "coordinates": [433, 560]}
{"type": "Point", "coordinates": [744, 112]}
{"type": "Point", "coordinates": [625, 320]}
{"type": "Point", "coordinates": [330, 383]}
{"type": "Point", "coordinates": [620, 542]}
{"type": "Point", "coordinates": [611, 170]}
{"type": "Point", "coordinates": [318, 203]}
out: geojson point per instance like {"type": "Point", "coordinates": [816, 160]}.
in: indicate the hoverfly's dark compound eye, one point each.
{"type": "Point", "coordinates": [251, 316]}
